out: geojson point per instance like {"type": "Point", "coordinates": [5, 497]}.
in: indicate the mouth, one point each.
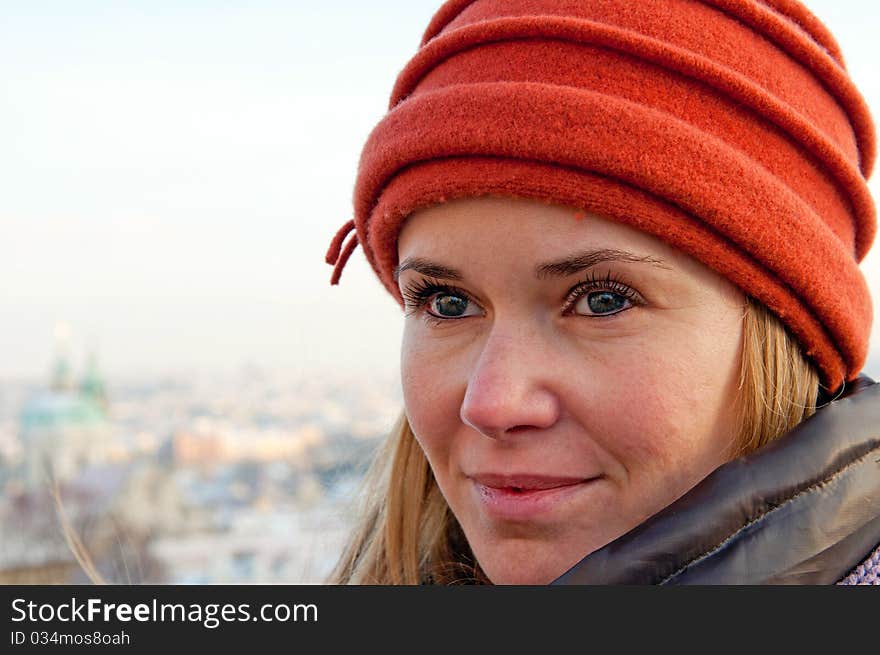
{"type": "Point", "coordinates": [525, 482]}
{"type": "Point", "coordinates": [527, 497]}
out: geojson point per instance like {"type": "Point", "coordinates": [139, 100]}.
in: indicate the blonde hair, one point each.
{"type": "Point", "coordinates": [408, 535]}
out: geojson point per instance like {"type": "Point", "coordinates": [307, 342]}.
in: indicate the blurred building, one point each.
{"type": "Point", "coordinates": [274, 545]}
{"type": "Point", "coordinates": [65, 428]}
{"type": "Point", "coordinates": [209, 441]}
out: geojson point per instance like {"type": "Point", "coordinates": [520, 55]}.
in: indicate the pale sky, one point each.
{"type": "Point", "coordinates": [173, 173]}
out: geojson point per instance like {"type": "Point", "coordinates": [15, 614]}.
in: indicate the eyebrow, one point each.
{"type": "Point", "coordinates": [559, 268]}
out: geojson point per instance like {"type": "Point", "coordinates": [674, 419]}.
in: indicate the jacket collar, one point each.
{"type": "Point", "coordinates": [803, 510]}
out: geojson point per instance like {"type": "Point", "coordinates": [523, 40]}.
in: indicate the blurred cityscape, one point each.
{"type": "Point", "coordinates": [248, 478]}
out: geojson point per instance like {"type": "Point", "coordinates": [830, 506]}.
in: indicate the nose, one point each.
{"type": "Point", "coordinates": [510, 387]}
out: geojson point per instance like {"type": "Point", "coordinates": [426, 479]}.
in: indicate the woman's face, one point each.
{"type": "Point", "coordinates": [566, 376]}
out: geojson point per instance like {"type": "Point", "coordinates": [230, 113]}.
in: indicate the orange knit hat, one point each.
{"type": "Point", "coordinates": [728, 128]}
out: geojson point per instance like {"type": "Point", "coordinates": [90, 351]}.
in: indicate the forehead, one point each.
{"type": "Point", "coordinates": [490, 228]}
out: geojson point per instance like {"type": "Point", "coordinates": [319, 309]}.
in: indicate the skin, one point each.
{"type": "Point", "coordinates": [634, 395]}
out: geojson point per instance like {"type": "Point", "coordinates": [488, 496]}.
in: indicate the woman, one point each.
{"type": "Point", "coordinates": [626, 238]}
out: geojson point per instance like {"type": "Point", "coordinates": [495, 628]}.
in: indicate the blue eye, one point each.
{"type": "Point", "coordinates": [604, 296]}
{"type": "Point", "coordinates": [449, 301]}
{"type": "Point", "coordinates": [605, 302]}
{"type": "Point", "coordinates": [451, 306]}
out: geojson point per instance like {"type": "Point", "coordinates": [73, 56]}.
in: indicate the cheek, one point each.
{"type": "Point", "coordinates": [431, 394]}
{"type": "Point", "coordinates": [672, 419]}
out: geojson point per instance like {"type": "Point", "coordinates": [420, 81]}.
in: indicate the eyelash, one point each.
{"type": "Point", "coordinates": [417, 294]}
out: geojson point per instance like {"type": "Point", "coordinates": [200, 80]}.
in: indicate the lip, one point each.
{"type": "Point", "coordinates": [525, 497]}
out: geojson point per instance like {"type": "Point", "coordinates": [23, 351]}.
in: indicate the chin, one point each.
{"type": "Point", "coordinates": [506, 575]}
{"type": "Point", "coordinates": [525, 566]}
{"type": "Point", "coordinates": [521, 578]}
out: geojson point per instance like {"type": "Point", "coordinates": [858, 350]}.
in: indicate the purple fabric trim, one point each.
{"type": "Point", "coordinates": [868, 572]}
